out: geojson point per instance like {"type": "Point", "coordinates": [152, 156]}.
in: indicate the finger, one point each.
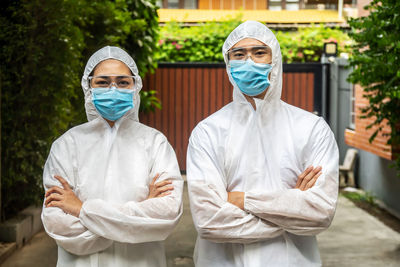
{"type": "Point", "coordinates": [309, 176]}
{"type": "Point", "coordinates": [155, 178]}
{"type": "Point", "coordinates": [53, 197]}
{"type": "Point", "coordinates": [302, 175]}
{"type": "Point", "coordinates": [162, 183]}
{"type": "Point", "coordinates": [63, 182]}
{"type": "Point", "coordinates": [162, 189]}
{"type": "Point", "coordinates": [312, 181]}
{"type": "Point", "coordinates": [55, 203]}
{"type": "Point", "coordinates": [164, 194]}
{"type": "Point", "coordinates": [54, 189]}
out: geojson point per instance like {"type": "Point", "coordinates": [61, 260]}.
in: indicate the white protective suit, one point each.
{"type": "Point", "coordinates": [110, 170]}
{"type": "Point", "coordinates": [260, 152]}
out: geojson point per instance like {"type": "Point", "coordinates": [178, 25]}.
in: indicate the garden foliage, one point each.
{"type": "Point", "coordinates": [203, 43]}
{"type": "Point", "coordinates": [376, 64]}
{"type": "Point", "coordinates": [45, 45]}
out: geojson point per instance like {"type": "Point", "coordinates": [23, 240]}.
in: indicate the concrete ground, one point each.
{"type": "Point", "coordinates": [354, 239]}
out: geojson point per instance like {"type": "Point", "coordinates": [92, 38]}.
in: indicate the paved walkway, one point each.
{"type": "Point", "coordinates": [354, 239]}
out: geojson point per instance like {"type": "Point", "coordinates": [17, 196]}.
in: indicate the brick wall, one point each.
{"type": "Point", "coordinates": [359, 137]}
{"type": "Point", "coordinates": [360, 6]}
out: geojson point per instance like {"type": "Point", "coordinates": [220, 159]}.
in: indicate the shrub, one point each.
{"type": "Point", "coordinates": [203, 43]}
{"type": "Point", "coordinates": [45, 45]}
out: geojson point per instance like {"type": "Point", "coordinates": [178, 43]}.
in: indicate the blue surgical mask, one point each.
{"type": "Point", "coordinates": [112, 103]}
{"type": "Point", "coordinates": [250, 77]}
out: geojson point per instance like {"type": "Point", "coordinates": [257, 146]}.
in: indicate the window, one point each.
{"type": "Point", "coordinates": [190, 4]}
{"type": "Point", "coordinates": [276, 5]}
{"type": "Point", "coordinates": [175, 4]}
{"type": "Point", "coordinates": [292, 4]}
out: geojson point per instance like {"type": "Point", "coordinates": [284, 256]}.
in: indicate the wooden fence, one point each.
{"type": "Point", "coordinates": [190, 92]}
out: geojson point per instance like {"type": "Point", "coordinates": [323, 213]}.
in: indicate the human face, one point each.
{"type": "Point", "coordinates": [110, 72]}
{"type": "Point", "coordinates": [113, 68]}
{"type": "Point", "coordinates": [248, 42]}
{"type": "Point", "coordinates": [253, 48]}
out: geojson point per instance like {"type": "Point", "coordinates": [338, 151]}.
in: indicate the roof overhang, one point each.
{"type": "Point", "coordinates": [305, 16]}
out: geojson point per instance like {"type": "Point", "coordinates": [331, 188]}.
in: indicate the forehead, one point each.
{"type": "Point", "coordinates": [248, 42]}
{"type": "Point", "coordinates": [111, 66]}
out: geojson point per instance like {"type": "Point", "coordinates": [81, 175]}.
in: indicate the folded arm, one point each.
{"type": "Point", "coordinates": [304, 212]}
{"type": "Point", "coordinates": [65, 229]}
{"type": "Point", "coordinates": [215, 218]}
{"type": "Point", "coordinates": [150, 220]}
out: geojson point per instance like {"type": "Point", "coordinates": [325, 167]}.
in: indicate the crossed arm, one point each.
{"type": "Point", "coordinates": [305, 181]}
{"type": "Point", "coordinates": [222, 216]}
{"type": "Point", "coordinates": [86, 226]}
{"type": "Point", "coordinates": [64, 197]}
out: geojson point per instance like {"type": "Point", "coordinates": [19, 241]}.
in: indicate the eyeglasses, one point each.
{"type": "Point", "coordinates": [106, 81]}
{"type": "Point", "coordinates": [259, 54]}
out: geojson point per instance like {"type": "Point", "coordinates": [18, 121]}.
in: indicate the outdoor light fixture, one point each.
{"type": "Point", "coordinates": [330, 49]}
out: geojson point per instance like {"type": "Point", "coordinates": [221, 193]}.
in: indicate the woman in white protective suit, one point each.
{"type": "Point", "coordinates": [262, 174]}
{"type": "Point", "coordinates": [113, 185]}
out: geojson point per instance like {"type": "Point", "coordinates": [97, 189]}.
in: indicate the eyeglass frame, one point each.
{"type": "Point", "coordinates": [247, 54]}
{"type": "Point", "coordinates": [90, 78]}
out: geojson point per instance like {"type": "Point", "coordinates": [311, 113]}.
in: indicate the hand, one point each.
{"type": "Point", "coordinates": [63, 198]}
{"type": "Point", "coordinates": [159, 189]}
{"type": "Point", "coordinates": [236, 198]}
{"type": "Point", "coordinates": [307, 179]}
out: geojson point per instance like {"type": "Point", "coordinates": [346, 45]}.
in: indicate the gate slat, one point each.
{"type": "Point", "coordinates": [190, 93]}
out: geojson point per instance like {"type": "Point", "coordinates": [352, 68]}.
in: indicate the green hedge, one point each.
{"type": "Point", "coordinates": [203, 43]}
{"type": "Point", "coordinates": [45, 46]}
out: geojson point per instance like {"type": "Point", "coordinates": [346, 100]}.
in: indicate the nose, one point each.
{"type": "Point", "coordinates": [250, 55]}
{"type": "Point", "coordinates": [113, 84]}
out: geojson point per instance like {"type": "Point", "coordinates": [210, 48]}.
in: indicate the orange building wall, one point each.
{"type": "Point", "coordinates": [359, 137]}
{"type": "Point", "coordinates": [232, 4]}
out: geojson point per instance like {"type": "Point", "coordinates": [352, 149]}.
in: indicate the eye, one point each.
{"type": "Point", "coordinates": [261, 54]}
{"type": "Point", "coordinates": [238, 54]}
{"type": "Point", "coordinates": [125, 81]}
{"type": "Point", "coordinates": [100, 82]}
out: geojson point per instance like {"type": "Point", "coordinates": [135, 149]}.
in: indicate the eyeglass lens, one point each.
{"type": "Point", "coordinates": [106, 81]}
{"type": "Point", "coordinates": [259, 53]}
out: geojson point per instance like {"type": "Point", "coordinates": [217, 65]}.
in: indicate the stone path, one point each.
{"type": "Point", "coordinates": [354, 239]}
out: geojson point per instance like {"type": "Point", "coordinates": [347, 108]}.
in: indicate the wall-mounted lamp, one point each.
{"type": "Point", "coordinates": [330, 49]}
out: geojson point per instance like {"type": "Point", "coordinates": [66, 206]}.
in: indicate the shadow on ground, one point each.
{"type": "Point", "coordinates": [354, 239]}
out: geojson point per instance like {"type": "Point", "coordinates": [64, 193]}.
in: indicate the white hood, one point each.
{"type": "Point", "coordinates": [110, 52]}
{"type": "Point", "coordinates": [257, 30]}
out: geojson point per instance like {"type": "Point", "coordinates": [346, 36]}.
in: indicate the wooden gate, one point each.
{"type": "Point", "coordinates": [190, 92]}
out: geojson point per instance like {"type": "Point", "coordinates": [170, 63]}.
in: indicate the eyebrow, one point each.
{"type": "Point", "coordinates": [252, 48]}
{"type": "Point", "coordinates": [117, 76]}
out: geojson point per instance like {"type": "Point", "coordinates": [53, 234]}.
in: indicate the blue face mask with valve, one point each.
{"type": "Point", "coordinates": [112, 103]}
{"type": "Point", "coordinates": [250, 77]}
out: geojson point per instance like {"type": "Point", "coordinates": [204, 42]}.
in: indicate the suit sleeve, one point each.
{"type": "Point", "coordinates": [65, 229]}
{"type": "Point", "coordinates": [214, 217]}
{"type": "Point", "coordinates": [137, 222]}
{"type": "Point", "coordinates": [304, 212]}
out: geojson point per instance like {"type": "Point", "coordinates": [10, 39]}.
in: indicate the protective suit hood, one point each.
{"type": "Point", "coordinates": [110, 52]}
{"type": "Point", "coordinates": [257, 30]}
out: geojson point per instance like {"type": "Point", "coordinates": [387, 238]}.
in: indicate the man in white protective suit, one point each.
{"type": "Point", "coordinates": [113, 185]}
{"type": "Point", "coordinates": [262, 174]}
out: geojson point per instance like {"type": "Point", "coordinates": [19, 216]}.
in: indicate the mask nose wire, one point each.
{"type": "Point", "coordinates": [249, 53]}
{"type": "Point", "coordinates": [113, 85]}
